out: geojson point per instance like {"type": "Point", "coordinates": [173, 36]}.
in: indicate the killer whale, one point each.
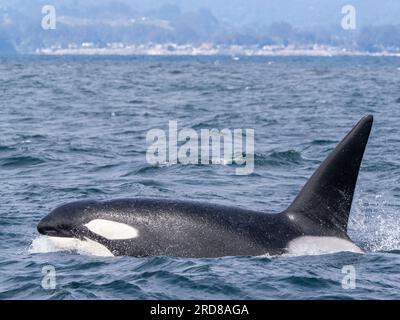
{"type": "Point", "coordinates": [318, 216]}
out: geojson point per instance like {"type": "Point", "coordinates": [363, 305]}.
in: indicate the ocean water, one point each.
{"type": "Point", "coordinates": [74, 128]}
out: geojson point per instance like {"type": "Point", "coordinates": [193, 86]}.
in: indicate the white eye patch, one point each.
{"type": "Point", "coordinates": [112, 230]}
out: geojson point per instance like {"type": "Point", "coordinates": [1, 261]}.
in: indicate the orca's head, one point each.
{"type": "Point", "coordinates": [68, 220]}
{"type": "Point", "coordinates": [87, 222]}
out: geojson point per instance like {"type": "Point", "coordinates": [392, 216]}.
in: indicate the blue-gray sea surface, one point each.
{"type": "Point", "coordinates": [75, 128]}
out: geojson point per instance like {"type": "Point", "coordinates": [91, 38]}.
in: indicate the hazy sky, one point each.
{"type": "Point", "coordinates": [297, 12]}
{"type": "Point", "coordinates": [241, 12]}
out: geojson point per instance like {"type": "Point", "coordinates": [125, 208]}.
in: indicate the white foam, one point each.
{"type": "Point", "coordinates": [310, 245]}
{"type": "Point", "coordinates": [112, 230]}
{"type": "Point", "coordinates": [375, 222]}
{"type": "Point", "coordinates": [45, 244]}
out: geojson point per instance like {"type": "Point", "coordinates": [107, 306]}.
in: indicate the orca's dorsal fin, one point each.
{"type": "Point", "coordinates": [326, 198]}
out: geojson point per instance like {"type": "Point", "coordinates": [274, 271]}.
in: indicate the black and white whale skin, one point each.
{"type": "Point", "coordinates": [318, 218]}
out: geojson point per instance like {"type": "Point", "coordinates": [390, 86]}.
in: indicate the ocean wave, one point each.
{"type": "Point", "coordinates": [6, 148]}
{"type": "Point", "coordinates": [279, 158]}
{"type": "Point", "coordinates": [323, 142]}
{"type": "Point", "coordinates": [20, 161]}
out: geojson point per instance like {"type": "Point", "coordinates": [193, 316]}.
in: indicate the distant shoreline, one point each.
{"type": "Point", "coordinates": [234, 51]}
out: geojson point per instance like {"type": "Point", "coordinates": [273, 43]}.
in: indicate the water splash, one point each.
{"type": "Point", "coordinates": [45, 244]}
{"type": "Point", "coordinates": [375, 224]}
